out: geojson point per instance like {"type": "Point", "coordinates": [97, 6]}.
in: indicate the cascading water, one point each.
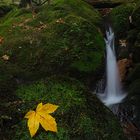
{"type": "Point", "coordinates": [113, 93]}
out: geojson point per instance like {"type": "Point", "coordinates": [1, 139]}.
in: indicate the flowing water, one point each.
{"type": "Point", "coordinates": [113, 93]}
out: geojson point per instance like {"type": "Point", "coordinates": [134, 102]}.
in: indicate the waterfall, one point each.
{"type": "Point", "coordinates": [113, 93]}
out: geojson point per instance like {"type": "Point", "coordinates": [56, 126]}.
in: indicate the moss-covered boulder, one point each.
{"type": "Point", "coordinates": [120, 18]}
{"type": "Point", "coordinates": [80, 116]}
{"type": "Point", "coordinates": [61, 38]}
{"type": "Point", "coordinates": [136, 15]}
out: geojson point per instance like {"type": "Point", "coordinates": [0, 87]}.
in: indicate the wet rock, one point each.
{"type": "Point", "coordinates": [123, 66]}
{"type": "Point", "coordinates": [105, 3]}
{"type": "Point", "coordinates": [58, 41]}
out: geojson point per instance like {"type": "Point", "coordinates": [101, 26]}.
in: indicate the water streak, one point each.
{"type": "Point", "coordinates": [113, 93]}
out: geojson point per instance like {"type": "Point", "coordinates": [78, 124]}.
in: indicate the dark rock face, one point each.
{"type": "Point", "coordinates": [106, 3]}
{"type": "Point", "coordinates": [4, 9]}
{"type": "Point", "coordinates": [126, 24]}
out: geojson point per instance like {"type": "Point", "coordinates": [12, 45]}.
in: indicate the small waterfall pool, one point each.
{"type": "Point", "coordinates": [113, 93]}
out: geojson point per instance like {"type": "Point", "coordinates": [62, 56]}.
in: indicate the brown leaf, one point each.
{"type": "Point", "coordinates": [5, 57]}
{"type": "Point", "coordinates": [60, 20]}
{"type": "Point", "coordinates": [122, 43]}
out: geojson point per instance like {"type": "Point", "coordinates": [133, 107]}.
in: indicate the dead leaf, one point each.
{"type": "Point", "coordinates": [5, 57]}
{"type": "Point", "coordinates": [122, 43]}
{"type": "Point", "coordinates": [60, 20]}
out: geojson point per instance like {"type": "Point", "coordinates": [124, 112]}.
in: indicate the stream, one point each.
{"type": "Point", "coordinates": [110, 90]}
{"type": "Point", "coordinates": [113, 93]}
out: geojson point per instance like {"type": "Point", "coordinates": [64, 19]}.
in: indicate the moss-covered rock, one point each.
{"type": "Point", "coordinates": [80, 115]}
{"type": "Point", "coordinates": [62, 38]}
{"type": "Point", "coordinates": [136, 15]}
{"type": "Point", "coordinates": [120, 18]}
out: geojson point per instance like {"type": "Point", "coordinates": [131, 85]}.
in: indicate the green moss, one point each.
{"type": "Point", "coordinates": [62, 39]}
{"type": "Point", "coordinates": [87, 124]}
{"type": "Point", "coordinates": [89, 62]}
{"type": "Point", "coordinates": [41, 134]}
{"type": "Point", "coordinates": [61, 94]}
{"type": "Point", "coordinates": [60, 8]}
{"type": "Point", "coordinates": [120, 18]}
{"type": "Point", "coordinates": [136, 15]}
{"type": "Point", "coordinates": [54, 42]}
{"type": "Point", "coordinates": [33, 92]}
{"type": "Point", "coordinates": [77, 117]}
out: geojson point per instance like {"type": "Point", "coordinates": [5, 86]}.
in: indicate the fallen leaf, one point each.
{"type": "Point", "coordinates": [41, 116]}
{"type": "Point", "coordinates": [48, 108]}
{"type": "Point", "coordinates": [60, 20]}
{"type": "Point", "coordinates": [122, 43]}
{"type": "Point", "coordinates": [48, 122]}
{"type": "Point", "coordinates": [5, 57]}
{"type": "Point", "coordinates": [33, 123]}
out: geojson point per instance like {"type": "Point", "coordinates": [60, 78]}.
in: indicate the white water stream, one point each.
{"type": "Point", "coordinates": [113, 93]}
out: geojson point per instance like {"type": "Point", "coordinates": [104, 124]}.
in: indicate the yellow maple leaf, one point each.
{"type": "Point", "coordinates": [42, 116]}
